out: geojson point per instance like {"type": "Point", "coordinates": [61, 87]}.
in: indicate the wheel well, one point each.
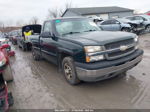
{"type": "Point", "coordinates": [61, 57]}
{"type": "Point", "coordinates": [133, 24]}
{"type": "Point", "coordinates": [147, 25]}
{"type": "Point", "coordinates": [123, 28]}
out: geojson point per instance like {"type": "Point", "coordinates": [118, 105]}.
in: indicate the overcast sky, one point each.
{"type": "Point", "coordinates": [12, 11]}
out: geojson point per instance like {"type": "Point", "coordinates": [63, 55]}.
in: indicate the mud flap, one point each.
{"type": "Point", "coordinates": [7, 74]}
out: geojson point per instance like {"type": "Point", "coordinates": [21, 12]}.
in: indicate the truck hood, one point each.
{"type": "Point", "coordinates": [99, 37]}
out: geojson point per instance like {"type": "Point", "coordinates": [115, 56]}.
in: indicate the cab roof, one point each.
{"type": "Point", "coordinates": [65, 18]}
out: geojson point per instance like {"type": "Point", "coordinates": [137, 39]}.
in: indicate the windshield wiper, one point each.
{"type": "Point", "coordinates": [90, 30]}
{"type": "Point", "coordinates": [70, 33]}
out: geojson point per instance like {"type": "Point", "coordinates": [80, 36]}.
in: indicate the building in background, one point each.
{"type": "Point", "coordinates": [8, 29]}
{"type": "Point", "coordinates": [102, 12]}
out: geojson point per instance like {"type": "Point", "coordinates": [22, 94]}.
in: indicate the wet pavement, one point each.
{"type": "Point", "coordinates": [39, 85]}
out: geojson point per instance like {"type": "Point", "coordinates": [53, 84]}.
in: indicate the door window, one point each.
{"type": "Point", "coordinates": [47, 27]}
{"type": "Point", "coordinates": [106, 22]}
{"type": "Point", "coordinates": [114, 22]}
{"type": "Point", "coordinates": [138, 18]}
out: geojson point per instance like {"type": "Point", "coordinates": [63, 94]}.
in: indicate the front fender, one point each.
{"type": "Point", "coordinates": [61, 53]}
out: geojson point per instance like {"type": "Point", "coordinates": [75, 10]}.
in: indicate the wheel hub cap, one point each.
{"type": "Point", "coordinates": [68, 71]}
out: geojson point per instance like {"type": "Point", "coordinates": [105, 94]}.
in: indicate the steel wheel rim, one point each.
{"type": "Point", "coordinates": [68, 71]}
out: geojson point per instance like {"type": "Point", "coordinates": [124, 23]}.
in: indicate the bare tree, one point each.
{"type": "Point", "coordinates": [34, 20]}
{"type": "Point", "coordinates": [2, 26]}
{"type": "Point", "coordinates": [53, 13]}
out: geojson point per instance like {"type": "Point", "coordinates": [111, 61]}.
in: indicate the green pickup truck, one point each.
{"type": "Point", "coordinates": [83, 52]}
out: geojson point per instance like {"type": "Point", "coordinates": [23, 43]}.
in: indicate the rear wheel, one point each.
{"type": "Point", "coordinates": [123, 74]}
{"type": "Point", "coordinates": [36, 57]}
{"type": "Point", "coordinates": [23, 48]}
{"type": "Point", "coordinates": [19, 46]}
{"type": "Point", "coordinates": [69, 71]}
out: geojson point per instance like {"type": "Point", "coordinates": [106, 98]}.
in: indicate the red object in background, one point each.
{"type": "Point", "coordinates": [6, 99]}
{"type": "Point", "coordinates": [148, 14]}
{"type": "Point", "coordinates": [11, 53]}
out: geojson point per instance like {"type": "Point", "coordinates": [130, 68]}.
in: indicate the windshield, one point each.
{"type": "Point", "coordinates": [75, 26]}
{"type": "Point", "coordinates": [146, 16]}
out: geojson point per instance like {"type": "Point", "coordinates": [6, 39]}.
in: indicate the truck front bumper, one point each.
{"type": "Point", "coordinates": [107, 69]}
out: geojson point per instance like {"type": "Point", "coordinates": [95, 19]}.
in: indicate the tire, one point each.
{"type": "Point", "coordinates": [10, 99]}
{"type": "Point", "coordinates": [19, 46]}
{"type": "Point", "coordinates": [125, 29]}
{"type": "Point", "coordinates": [36, 57]}
{"type": "Point", "coordinates": [147, 29]}
{"type": "Point", "coordinates": [69, 71]}
{"type": "Point", "coordinates": [24, 47]}
{"type": "Point", "coordinates": [123, 74]}
{"type": "Point", "coordinates": [7, 74]}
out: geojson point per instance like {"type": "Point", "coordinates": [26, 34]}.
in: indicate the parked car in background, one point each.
{"type": "Point", "coordinates": [146, 22]}
{"type": "Point", "coordinates": [114, 25]}
{"type": "Point", "coordinates": [3, 40]}
{"type": "Point", "coordinates": [6, 35]}
{"type": "Point", "coordinates": [83, 51]}
{"type": "Point", "coordinates": [139, 23]}
{"type": "Point", "coordinates": [14, 35]}
{"type": "Point", "coordinates": [24, 42]}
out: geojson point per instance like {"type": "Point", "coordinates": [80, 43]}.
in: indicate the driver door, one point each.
{"type": "Point", "coordinates": [48, 44]}
{"type": "Point", "coordinates": [115, 25]}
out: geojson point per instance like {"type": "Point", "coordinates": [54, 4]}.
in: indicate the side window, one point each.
{"type": "Point", "coordinates": [138, 18]}
{"type": "Point", "coordinates": [114, 22]}
{"type": "Point", "coordinates": [106, 22]}
{"type": "Point", "coordinates": [130, 18]}
{"type": "Point", "coordinates": [47, 27]}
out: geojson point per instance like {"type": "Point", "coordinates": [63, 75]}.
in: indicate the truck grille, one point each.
{"type": "Point", "coordinates": [118, 44]}
{"type": "Point", "coordinates": [119, 53]}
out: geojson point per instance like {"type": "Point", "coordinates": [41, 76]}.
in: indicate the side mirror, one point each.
{"type": "Point", "coordinates": [5, 46]}
{"type": "Point", "coordinates": [46, 35]}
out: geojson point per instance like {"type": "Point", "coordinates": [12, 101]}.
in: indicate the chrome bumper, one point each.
{"type": "Point", "coordinates": [105, 73]}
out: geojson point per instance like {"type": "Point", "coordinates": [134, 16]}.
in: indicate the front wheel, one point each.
{"type": "Point", "coordinates": [69, 71]}
{"type": "Point", "coordinates": [125, 29]}
{"type": "Point", "coordinates": [147, 29]}
{"type": "Point", "coordinates": [7, 74]}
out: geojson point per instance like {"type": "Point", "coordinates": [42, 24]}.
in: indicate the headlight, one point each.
{"type": "Point", "coordinates": [91, 49]}
{"type": "Point", "coordinates": [2, 62]}
{"type": "Point", "coordinates": [136, 39]}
